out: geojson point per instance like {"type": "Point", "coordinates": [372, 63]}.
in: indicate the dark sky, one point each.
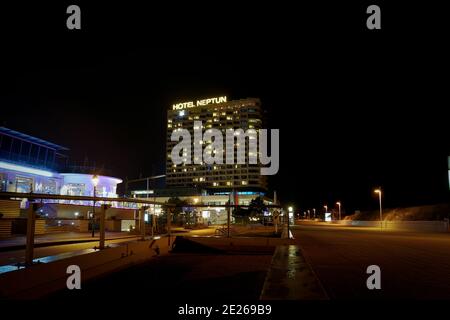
{"type": "Point", "coordinates": [355, 108]}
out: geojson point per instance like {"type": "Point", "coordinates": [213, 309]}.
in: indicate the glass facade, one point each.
{"type": "Point", "coordinates": [24, 149]}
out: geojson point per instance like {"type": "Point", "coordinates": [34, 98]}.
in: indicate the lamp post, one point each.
{"type": "Point", "coordinates": [290, 213]}
{"type": "Point", "coordinates": [95, 183]}
{"type": "Point", "coordinates": [339, 204]}
{"type": "Point", "coordinates": [381, 209]}
{"type": "Point", "coordinates": [314, 211]}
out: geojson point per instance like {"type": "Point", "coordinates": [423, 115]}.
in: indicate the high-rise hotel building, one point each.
{"type": "Point", "coordinates": [217, 113]}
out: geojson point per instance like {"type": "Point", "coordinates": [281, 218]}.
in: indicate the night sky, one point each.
{"type": "Point", "coordinates": [355, 108]}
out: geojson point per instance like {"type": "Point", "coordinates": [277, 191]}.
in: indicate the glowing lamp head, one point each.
{"type": "Point", "coordinates": [378, 191]}
{"type": "Point", "coordinates": [95, 180]}
{"type": "Point", "coordinates": [291, 209]}
{"type": "Point", "coordinates": [338, 203]}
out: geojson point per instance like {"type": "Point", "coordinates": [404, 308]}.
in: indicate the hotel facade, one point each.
{"type": "Point", "coordinates": [217, 113]}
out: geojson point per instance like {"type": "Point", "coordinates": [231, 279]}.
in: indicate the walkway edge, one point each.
{"type": "Point", "coordinates": [290, 277]}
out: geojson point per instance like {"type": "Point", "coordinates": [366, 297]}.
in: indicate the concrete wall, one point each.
{"type": "Point", "coordinates": [411, 226]}
{"type": "Point", "coordinates": [113, 225]}
{"type": "Point", "coordinates": [42, 279]}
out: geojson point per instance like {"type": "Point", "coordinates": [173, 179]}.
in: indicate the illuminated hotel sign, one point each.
{"type": "Point", "coordinates": [204, 102]}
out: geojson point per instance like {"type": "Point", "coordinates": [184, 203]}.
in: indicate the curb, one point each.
{"type": "Point", "coordinates": [290, 277]}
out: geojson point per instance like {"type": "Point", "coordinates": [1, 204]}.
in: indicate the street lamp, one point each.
{"type": "Point", "coordinates": [381, 209]}
{"type": "Point", "coordinates": [326, 209]}
{"type": "Point", "coordinates": [314, 211]}
{"type": "Point", "coordinates": [95, 183]}
{"type": "Point", "coordinates": [290, 213]}
{"type": "Point", "coordinates": [339, 204]}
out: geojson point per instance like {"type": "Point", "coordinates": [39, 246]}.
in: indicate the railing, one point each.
{"type": "Point", "coordinates": [34, 207]}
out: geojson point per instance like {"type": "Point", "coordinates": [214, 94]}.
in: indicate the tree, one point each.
{"type": "Point", "coordinates": [182, 207]}
{"type": "Point", "coordinates": [178, 209]}
{"type": "Point", "coordinates": [255, 209]}
{"type": "Point", "coordinates": [257, 206]}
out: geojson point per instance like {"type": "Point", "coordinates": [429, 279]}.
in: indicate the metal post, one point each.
{"type": "Point", "coordinates": [288, 225]}
{"type": "Point", "coordinates": [142, 221]}
{"type": "Point", "coordinates": [93, 214]}
{"type": "Point", "coordinates": [153, 221]}
{"type": "Point", "coordinates": [228, 221]}
{"type": "Point", "coordinates": [29, 251]}
{"type": "Point", "coordinates": [275, 217]}
{"type": "Point", "coordinates": [102, 225]}
{"type": "Point", "coordinates": [169, 222]}
{"type": "Point", "coordinates": [381, 211]}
